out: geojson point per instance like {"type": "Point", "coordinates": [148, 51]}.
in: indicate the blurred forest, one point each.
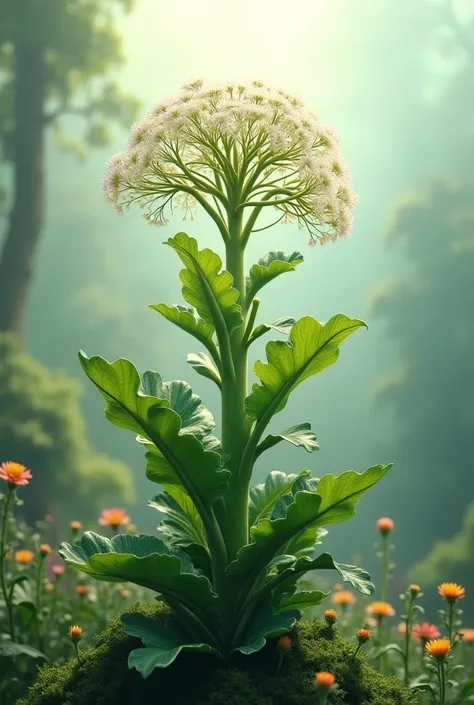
{"type": "Point", "coordinates": [396, 81]}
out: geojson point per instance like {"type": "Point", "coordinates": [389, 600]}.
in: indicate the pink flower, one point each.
{"type": "Point", "coordinates": [425, 631]}
{"type": "Point", "coordinates": [58, 569]}
{"type": "Point", "coordinates": [114, 518]}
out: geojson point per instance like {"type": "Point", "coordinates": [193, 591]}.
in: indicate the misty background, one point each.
{"type": "Point", "coordinates": [395, 80]}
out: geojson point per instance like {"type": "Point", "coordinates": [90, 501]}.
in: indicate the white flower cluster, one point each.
{"type": "Point", "coordinates": [235, 147]}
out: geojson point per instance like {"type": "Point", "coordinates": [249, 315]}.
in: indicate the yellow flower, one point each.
{"type": "Point", "coordinates": [438, 648]}
{"type": "Point", "coordinates": [15, 474]}
{"type": "Point", "coordinates": [414, 589]}
{"type": "Point", "coordinates": [451, 591]}
{"type": "Point", "coordinates": [24, 556]}
{"type": "Point", "coordinates": [381, 609]}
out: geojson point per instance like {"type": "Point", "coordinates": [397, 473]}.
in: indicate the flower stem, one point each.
{"type": "Point", "coordinates": [442, 682]}
{"type": "Point", "coordinates": [76, 649]}
{"type": "Point", "coordinates": [385, 567]}
{"type": "Point", "coordinates": [39, 576]}
{"type": "Point", "coordinates": [8, 602]}
{"type": "Point", "coordinates": [450, 621]}
{"type": "Point", "coordinates": [406, 654]}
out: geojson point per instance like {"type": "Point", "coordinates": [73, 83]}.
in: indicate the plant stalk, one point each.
{"type": "Point", "coordinates": [8, 604]}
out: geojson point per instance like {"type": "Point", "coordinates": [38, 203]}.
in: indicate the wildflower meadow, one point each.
{"type": "Point", "coordinates": [229, 602]}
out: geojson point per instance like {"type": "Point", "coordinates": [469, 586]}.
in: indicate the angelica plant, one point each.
{"type": "Point", "coordinates": [230, 555]}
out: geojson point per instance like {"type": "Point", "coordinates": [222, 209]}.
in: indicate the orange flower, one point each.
{"type": "Point", "coordinates": [58, 569]}
{"type": "Point", "coordinates": [15, 474]}
{"type": "Point", "coordinates": [114, 518]}
{"type": "Point", "coordinates": [425, 631]}
{"type": "Point", "coordinates": [402, 628]}
{"type": "Point", "coordinates": [467, 635]}
{"type": "Point", "coordinates": [45, 549]}
{"type": "Point", "coordinates": [82, 590]}
{"type": "Point", "coordinates": [343, 598]}
{"type": "Point", "coordinates": [438, 648]}
{"type": "Point", "coordinates": [324, 679]}
{"type": "Point", "coordinates": [414, 589]}
{"type": "Point", "coordinates": [338, 587]}
{"type": "Point", "coordinates": [24, 556]}
{"type": "Point", "coordinates": [451, 591]}
{"type": "Point", "coordinates": [330, 616]}
{"type": "Point", "coordinates": [75, 526]}
{"type": "Point", "coordinates": [76, 633]}
{"type": "Point", "coordinates": [381, 609]}
{"type": "Point", "coordinates": [125, 593]}
{"type": "Point", "coordinates": [364, 635]}
{"type": "Point", "coordinates": [284, 642]}
{"type": "Point", "coordinates": [385, 525]}
{"type": "Point", "coordinates": [49, 587]}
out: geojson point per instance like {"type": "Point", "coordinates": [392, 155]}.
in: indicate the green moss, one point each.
{"type": "Point", "coordinates": [103, 677]}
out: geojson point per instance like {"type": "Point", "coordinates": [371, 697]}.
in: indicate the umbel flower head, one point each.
{"type": "Point", "coordinates": [209, 143]}
{"type": "Point", "coordinates": [15, 474]}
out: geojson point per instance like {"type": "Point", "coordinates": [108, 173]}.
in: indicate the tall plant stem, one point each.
{"type": "Point", "coordinates": [450, 621]}
{"type": "Point", "coordinates": [39, 576]}
{"type": "Point", "coordinates": [234, 392]}
{"type": "Point", "coordinates": [8, 605]}
{"type": "Point", "coordinates": [385, 567]}
{"type": "Point", "coordinates": [406, 654]}
{"type": "Point", "coordinates": [442, 682]}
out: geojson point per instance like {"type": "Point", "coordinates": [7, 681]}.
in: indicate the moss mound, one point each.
{"type": "Point", "coordinates": [103, 677]}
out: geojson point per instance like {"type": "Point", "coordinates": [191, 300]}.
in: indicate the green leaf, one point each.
{"type": "Point", "coordinates": [312, 347]}
{"type": "Point", "coordinates": [177, 458]}
{"type": "Point", "coordinates": [386, 649]}
{"type": "Point", "coordinates": [205, 286]}
{"type": "Point", "coordinates": [146, 561]}
{"type": "Point", "coordinates": [182, 523]}
{"type": "Point", "coordinates": [195, 418]}
{"type": "Point", "coordinates": [205, 367]}
{"type": "Point", "coordinates": [263, 497]}
{"type": "Point", "coordinates": [264, 624]}
{"type": "Point", "coordinates": [358, 578]}
{"type": "Point", "coordinates": [163, 641]}
{"type": "Point", "coordinates": [302, 600]}
{"type": "Point", "coordinates": [299, 435]}
{"type": "Point", "coordinates": [334, 501]}
{"type": "Point", "coordinates": [187, 319]}
{"type": "Point", "coordinates": [9, 649]}
{"type": "Point", "coordinates": [281, 325]}
{"type": "Point", "coordinates": [268, 268]}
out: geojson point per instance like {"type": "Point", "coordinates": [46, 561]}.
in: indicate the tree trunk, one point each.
{"type": "Point", "coordinates": [18, 257]}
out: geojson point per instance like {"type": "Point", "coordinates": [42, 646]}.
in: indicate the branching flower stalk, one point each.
{"type": "Point", "coordinates": [240, 153]}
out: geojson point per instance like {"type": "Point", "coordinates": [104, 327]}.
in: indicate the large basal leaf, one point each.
{"type": "Point", "coordinates": [146, 561]}
{"type": "Point", "coordinates": [312, 347]}
{"type": "Point", "coordinates": [178, 458]}
{"type": "Point", "coordinates": [291, 573]}
{"type": "Point", "coordinates": [334, 501]}
{"type": "Point", "coordinates": [264, 496]}
{"type": "Point", "coordinates": [205, 285]}
{"type": "Point", "coordinates": [182, 523]}
{"type": "Point", "coordinates": [268, 268]}
{"type": "Point", "coordinates": [205, 367]}
{"type": "Point", "coordinates": [187, 319]}
{"type": "Point", "coordinates": [299, 435]}
{"type": "Point", "coordinates": [266, 623]}
{"type": "Point", "coordinates": [301, 600]}
{"type": "Point", "coordinates": [163, 642]}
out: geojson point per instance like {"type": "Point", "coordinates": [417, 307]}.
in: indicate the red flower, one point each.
{"type": "Point", "coordinates": [15, 474]}
{"type": "Point", "coordinates": [425, 631]}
